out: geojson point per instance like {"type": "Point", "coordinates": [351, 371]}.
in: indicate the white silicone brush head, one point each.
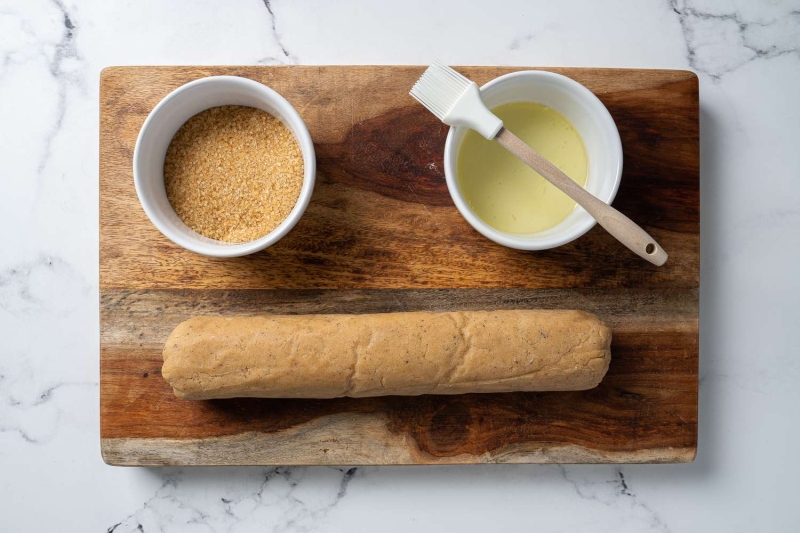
{"type": "Point", "coordinates": [455, 100]}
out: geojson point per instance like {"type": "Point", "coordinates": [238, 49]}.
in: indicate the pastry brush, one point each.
{"type": "Point", "coordinates": [456, 101]}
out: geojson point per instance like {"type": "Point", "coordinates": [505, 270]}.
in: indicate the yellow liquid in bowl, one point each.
{"type": "Point", "coordinates": [506, 193]}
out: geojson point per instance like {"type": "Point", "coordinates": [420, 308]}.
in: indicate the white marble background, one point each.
{"type": "Point", "coordinates": [745, 478]}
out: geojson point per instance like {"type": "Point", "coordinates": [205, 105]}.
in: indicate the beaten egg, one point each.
{"type": "Point", "coordinates": [506, 193]}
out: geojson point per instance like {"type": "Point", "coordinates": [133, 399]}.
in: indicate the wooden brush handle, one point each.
{"type": "Point", "coordinates": [617, 224]}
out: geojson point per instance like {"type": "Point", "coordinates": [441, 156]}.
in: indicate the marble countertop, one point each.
{"type": "Point", "coordinates": [747, 54]}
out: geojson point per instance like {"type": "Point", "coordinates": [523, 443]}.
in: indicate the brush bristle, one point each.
{"type": "Point", "coordinates": [439, 89]}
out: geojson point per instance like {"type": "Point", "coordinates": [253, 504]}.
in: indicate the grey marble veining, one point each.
{"type": "Point", "coordinates": [615, 493]}
{"type": "Point", "coordinates": [285, 57]}
{"type": "Point", "coordinates": [747, 55]}
{"type": "Point", "coordinates": [720, 38]}
{"type": "Point", "coordinates": [277, 498]}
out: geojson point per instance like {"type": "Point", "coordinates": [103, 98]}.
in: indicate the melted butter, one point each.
{"type": "Point", "coordinates": [506, 193]}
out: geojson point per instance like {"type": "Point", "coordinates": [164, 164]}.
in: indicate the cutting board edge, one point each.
{"type": "Point", "coordinates": [172, 452]}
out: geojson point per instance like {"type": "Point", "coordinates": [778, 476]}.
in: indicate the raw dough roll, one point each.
{"type": "Point", "coordinates": [327, 356]}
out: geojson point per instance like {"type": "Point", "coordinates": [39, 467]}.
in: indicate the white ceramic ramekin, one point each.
{"type": "Point", "coordinates": [165, 120]}
{"type": "Point", "coordinates": [592, 121]}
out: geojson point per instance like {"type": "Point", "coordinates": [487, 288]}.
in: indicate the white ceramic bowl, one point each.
{"type": "Point", "coordinates": [592, 121]}
{"type": "Point", "coordinates": [165, 120]}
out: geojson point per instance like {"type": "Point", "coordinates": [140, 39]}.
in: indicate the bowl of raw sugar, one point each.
{"type": "Point", "coordinates": [224, 166]}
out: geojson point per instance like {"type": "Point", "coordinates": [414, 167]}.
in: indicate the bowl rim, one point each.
{"type": "Point", "coordinates": [531, 242]}
{"type": "Point", "coordinates": [211, 247]}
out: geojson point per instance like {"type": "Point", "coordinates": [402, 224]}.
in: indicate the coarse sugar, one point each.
{"type": "Point", "coordinates": [233, 173]}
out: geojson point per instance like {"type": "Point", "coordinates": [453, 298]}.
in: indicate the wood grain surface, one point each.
{"type": "Point", "coordinates": [381, 234]}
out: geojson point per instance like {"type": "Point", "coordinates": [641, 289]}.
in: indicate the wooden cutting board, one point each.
{"type": "Point", "coordinates": [381, 234]}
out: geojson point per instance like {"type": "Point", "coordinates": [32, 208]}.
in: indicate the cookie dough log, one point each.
{"type": "Point", "coordinates": [327, 356]}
